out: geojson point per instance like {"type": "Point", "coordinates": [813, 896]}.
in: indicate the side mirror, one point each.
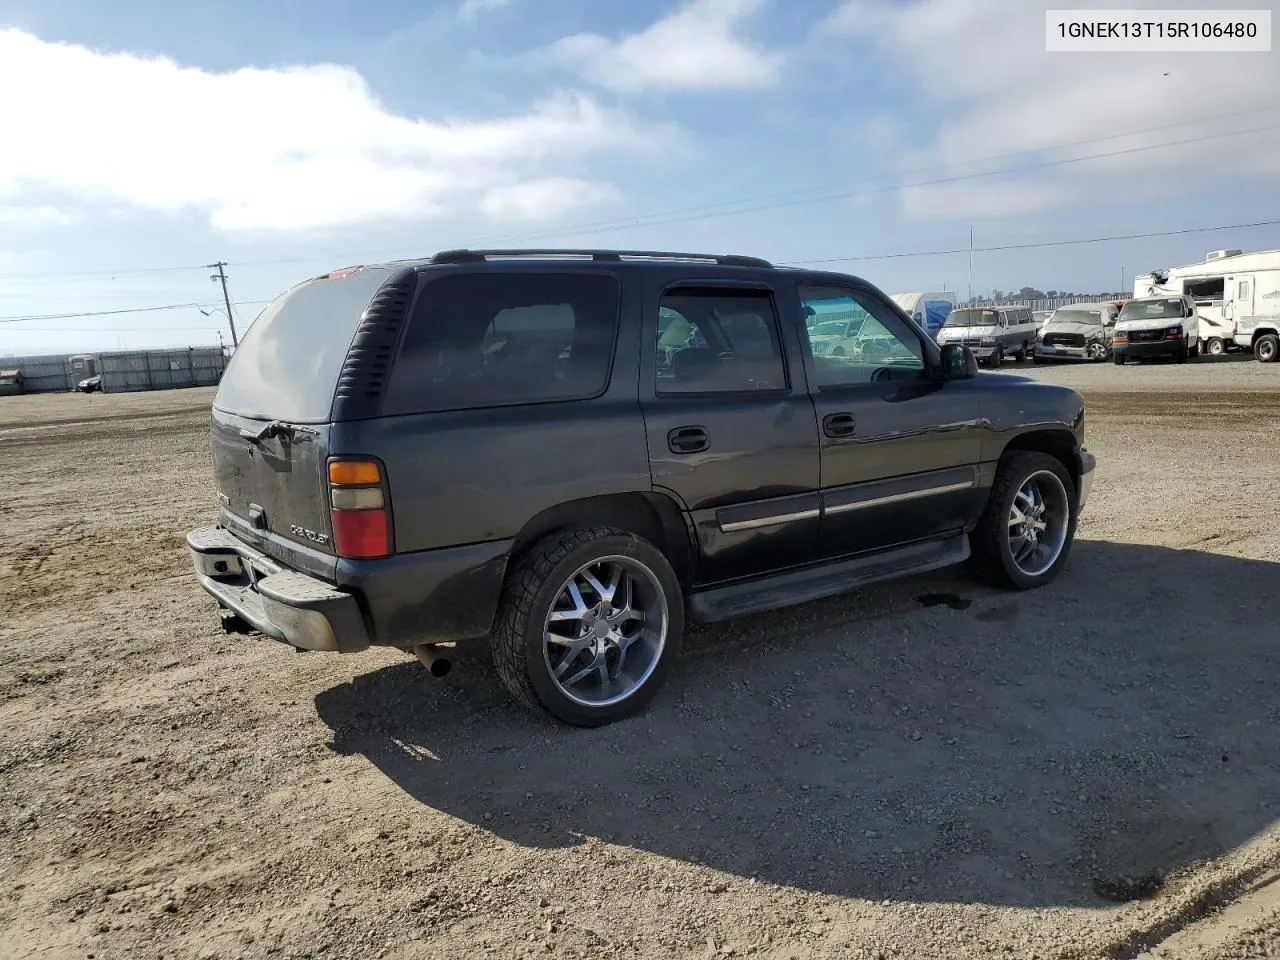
{"type": "Point", "coordinates": [958, 362]}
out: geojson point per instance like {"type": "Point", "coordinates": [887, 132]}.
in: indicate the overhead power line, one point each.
{"type": "Point", "coordinates": [112, 313]}
{"type": "Point", "coordinates": [852, 194]}
{"type": "Point", "coordinates": [1030, 246]}
{"type": "Point", "coordinates": [1038, 244]}
{"type": "Point", "coordinates": [748, 205]}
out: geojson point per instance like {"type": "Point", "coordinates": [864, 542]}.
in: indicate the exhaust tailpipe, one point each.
{"type": "Point", "coordinates": [437, 664]}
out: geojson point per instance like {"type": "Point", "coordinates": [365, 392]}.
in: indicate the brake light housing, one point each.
{"type": "Point", "coordinates": [360, 508]}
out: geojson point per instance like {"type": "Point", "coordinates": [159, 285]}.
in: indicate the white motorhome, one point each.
{"type": "Point", "coordinates": [1237, 297]}
{"type": "Point", "coordinates": [928, 310]}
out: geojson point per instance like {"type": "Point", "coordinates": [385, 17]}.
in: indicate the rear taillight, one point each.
{"type": "Point", "coordinates": [361, 514]}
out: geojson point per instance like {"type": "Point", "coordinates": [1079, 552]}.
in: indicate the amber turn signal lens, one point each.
{"type": "Point", "coordinates": [349, 472]}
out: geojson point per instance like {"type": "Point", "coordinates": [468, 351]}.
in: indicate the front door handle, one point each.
{"type": "Point", "coordinates": [839, 425]}
{"type": "Point", "coordinates": [688, 439]}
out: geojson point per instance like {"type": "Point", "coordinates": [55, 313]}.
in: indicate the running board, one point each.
{"type": "Point", "coordinates": [814, 583]}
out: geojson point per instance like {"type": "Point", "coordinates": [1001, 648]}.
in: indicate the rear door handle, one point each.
{"type": "Point", "coordinates": [839, 425]}
{"type": "Point", "coordinates": [688, 439]}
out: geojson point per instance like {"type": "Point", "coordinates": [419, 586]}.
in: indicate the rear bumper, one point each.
{"type": "Point", "coordinates": [284, 604]}
{"type": "Point", "coordinates": [430, 596]}
{"type": "Point", "coordinates": [1088, 464]}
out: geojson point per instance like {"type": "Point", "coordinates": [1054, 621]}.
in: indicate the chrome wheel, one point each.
{"type": "Point", "coordinates": [1038, 522]}
{"type": "Point", "coordinates": [606, 631]}
{"type": "Point", "coordinates": [1096, 351]}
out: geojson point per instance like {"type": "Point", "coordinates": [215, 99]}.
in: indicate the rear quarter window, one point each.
{"type": "Point", "coordinates": [496, 339]}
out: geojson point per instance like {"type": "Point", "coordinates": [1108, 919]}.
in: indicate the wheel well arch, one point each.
{"type": "Point", "coordinates": [1058, 443]}
{"type": "Point", "coordinates": [653, 516]}
{"type": "Point", "coordinates": [1263, 331]}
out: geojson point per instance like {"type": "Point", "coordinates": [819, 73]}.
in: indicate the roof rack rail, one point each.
{"type": "Point", "coordinates": [477, 256]}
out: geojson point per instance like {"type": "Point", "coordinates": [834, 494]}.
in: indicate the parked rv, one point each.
{"type": "Point", "coordinates": [1081, 331]}
{"type": "Point", "coordinates": [1156, 327]}
{"type": "Point", "coordinates": [1237, 298]}
{"type": "Point", "coordinates": [992, 333]}
{"type": "Point", "coordinates": [928, 310]}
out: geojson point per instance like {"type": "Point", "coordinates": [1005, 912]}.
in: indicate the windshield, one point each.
{"type": "Point", "coordinates": [1093, 317]}
{"type": "Point", "coordinates": [971, 318]}
{"type": "Point", "coordinates": [1152, 309]}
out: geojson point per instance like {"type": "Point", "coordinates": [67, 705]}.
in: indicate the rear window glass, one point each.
{"type": "Point", "coordinates": [493, 339]}
{"type": "Point", "coordinates": [288, 363]}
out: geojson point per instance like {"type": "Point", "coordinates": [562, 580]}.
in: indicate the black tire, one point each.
{"type": "Point", "coordinates": [996, 358]}
{"type": "Point", "coordinates": [1021, 355]}
{"type": "Point", "coordinates": [1266, 347]}
{"type": "Point", "coordinates": [992, 556]}
{"type": "Point", "coordinates": [530, 591]}
{"type": "Point", "coordinates": [1183, 355]}
{"type": "Point", "coordinates": [1214, 347]}
{"type": "Point", "coordinates": [1193, 351]}
{"type": "Point", "coordinates": [1117, 359]}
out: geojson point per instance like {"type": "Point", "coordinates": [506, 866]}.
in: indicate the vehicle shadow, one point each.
{"type": "Point", "coordinates": [924, 740]}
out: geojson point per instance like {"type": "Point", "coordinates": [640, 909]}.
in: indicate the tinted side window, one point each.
{"type": "Point", "coordinates": [493, 339]}
{"type": "Point", "coordinates": [884, 347]}
{"type": "Point", "coordinates": [718, 341]}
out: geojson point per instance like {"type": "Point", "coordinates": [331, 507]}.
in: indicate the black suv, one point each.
{"type": "Point", "coordinates": [569, 452]}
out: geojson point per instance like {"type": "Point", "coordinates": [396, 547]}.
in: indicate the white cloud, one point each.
{"type": "Point", "coordinates": [696, 47]}
{"type": "Point", "coordinates": [539, 199]}
{"type": "Point", "coordinates": [982, 66]}
{"type": "Point", "coordinates": [471, 9]}
{"type": "Point", "coordinates": [287, 148]}
{"type": "Point", "coordinates": [35, 216]}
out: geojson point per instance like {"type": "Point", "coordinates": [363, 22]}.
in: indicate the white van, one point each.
{"type": "Point", "coordinates": [991, 333]}
{"type": "Point", "coordinates": [1156, 327]}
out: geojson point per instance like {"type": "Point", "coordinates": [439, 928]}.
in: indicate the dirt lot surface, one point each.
{"type": "Point", "coordinates": [1091, 770]}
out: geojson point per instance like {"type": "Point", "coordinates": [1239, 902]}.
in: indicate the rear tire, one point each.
{"type": "Point", "coordinates": [1029, 552]}
{"type": "Point", "coordinates": [642, 633]}
{"type": "Point", "coordinates": [1214, 347]}
{"type": "Point", "coordinates": [1266, 347]}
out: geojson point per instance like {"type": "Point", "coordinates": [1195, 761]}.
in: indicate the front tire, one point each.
{"type": "Point", "coordinates": [1025, 533]}
{"type": "Point", "coordinates": [1266, 347]}
{"type": "Point", "coordinates": [591, 620]}
{"type": "Point", "coordinates": [1096, 351]}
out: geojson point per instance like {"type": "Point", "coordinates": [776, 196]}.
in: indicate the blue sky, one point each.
{"type": "Point", "coordinates": [290, 138]}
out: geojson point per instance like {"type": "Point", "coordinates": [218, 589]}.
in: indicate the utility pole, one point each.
{"type": "Point", "coordinates": [970, 263]}
{"type": "Point", "coordinates": [222, 277]}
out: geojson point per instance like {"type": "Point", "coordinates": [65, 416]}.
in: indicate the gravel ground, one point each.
{"type": "Point", "coordinates": [1092, 770]}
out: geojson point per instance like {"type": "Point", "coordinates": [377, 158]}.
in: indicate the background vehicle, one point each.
{"type": "Point", "coordinates": [1040, 317]}
{"type": "Point", "coordinates": [1081, 331]}
{"type": "Point", "coordinates": [992, 333]}
{"type": "Point", "coordinates": [928, 310]}
{"type": "Point", "coordinates": [1230, 289]}
{"type": "Point", "coordinates": [470, 446]}
{"type": "Point", "coordinates": [1156, 327]}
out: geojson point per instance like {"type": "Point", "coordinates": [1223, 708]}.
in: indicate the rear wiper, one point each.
{"type": "Point", "coordinates": [277, 428]}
